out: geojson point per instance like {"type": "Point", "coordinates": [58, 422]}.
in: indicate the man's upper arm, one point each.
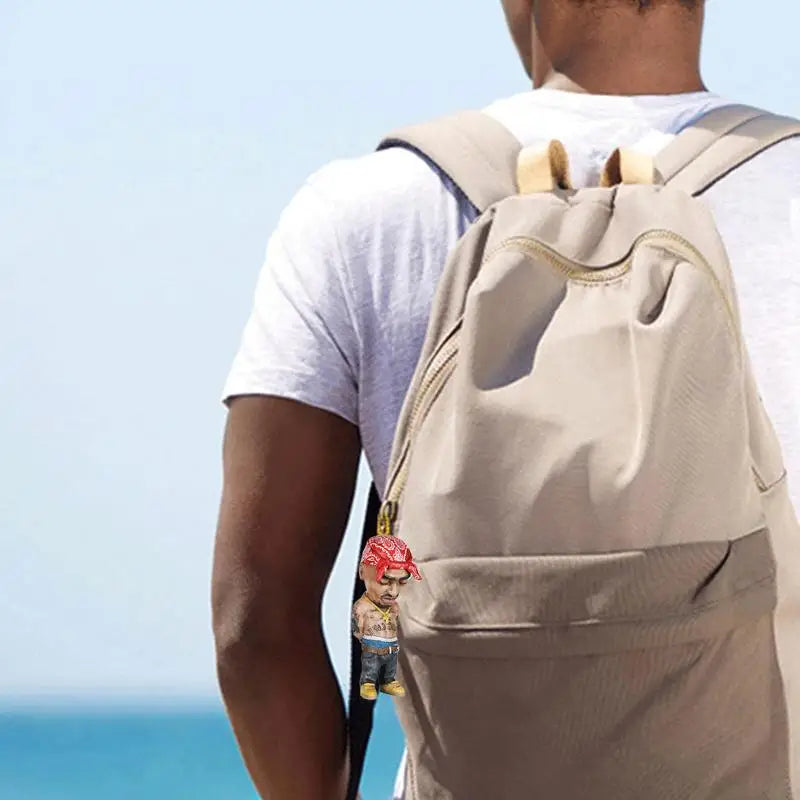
{"type": "Point", "coordinates": [301, 340]}
{"type": "Point", "coordinates": [289, 476]}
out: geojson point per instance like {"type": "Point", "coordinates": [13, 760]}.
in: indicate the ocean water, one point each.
{"type": "Point", "coordinates": [185, 754]}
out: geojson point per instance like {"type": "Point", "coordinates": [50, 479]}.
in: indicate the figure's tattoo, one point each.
{"type": "Point", "coordinates": [356, 626]}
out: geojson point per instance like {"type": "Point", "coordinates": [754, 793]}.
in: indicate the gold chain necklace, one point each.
{"type": "Point", "coordinates": [385, 614]}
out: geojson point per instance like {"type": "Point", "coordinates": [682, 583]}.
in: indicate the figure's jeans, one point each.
{"type": "Point", "coordinates": [372, 665]}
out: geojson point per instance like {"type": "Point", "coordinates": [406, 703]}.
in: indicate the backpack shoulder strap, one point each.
{"type": "Point", "coordinates": [360, 712]}
{"type": "Point", "coordinates": [474, 150]}
{"type": "Point", "coordinates": [719, 143]}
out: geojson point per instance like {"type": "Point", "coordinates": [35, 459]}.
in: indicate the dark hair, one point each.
{"type": "Point", "coordinates": [645, 4]}
{"type": "Point", "coordinates": [642, 5]}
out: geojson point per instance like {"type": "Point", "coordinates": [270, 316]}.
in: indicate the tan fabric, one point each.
{"type": "Point", "coordinates": [717, 144]}
{"type": "Point", "coordinates": [782, 521]}
{"type": "Point", "coordinates": [543, 169]}
{"type": "Point", "coordinates": [628, 166]}
{"type": "Point", "coordinates": [632, 676]}
{"type": "Point", "coordinates": [597, 501]}
{"type": "Point", "coordinates": [476, 151]}
{"type": "Point", "coordinates": [699, 138]}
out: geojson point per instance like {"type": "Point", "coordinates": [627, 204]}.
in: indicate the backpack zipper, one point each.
{"type": "Point", "coordinates": [442, 362]}
{"type": "Point", "coordinates": [436, 374]}
{"type": "Point", "coordinates": [578, 272]}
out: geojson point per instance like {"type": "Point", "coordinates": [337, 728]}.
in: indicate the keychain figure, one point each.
{"type": "Point", "coordinates": [386, 566]}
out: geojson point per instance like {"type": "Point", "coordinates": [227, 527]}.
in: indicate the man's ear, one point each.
{"type": "Point", "coordinates": [361, 571]}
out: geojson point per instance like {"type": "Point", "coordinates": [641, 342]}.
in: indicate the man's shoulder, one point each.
{"type": "Point", "coordinates": [378, 208]}
{"type": "Point", "coordinates": [361, 605]}
{"type": "Point", "coordinates": [383, 186]}
{"type": "Point", "coordinates": [378, 185]}
{"type": "Point", "coordinates": [773, 176]}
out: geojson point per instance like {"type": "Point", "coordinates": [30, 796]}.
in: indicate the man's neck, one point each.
{"type": "Point", "coordinates": [618, 50]}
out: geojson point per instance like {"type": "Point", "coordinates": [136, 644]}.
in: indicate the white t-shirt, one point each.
{"type": "Point", "coordinates": [343, 298]}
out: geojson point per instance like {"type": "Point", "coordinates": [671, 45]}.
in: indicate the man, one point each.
{"type": "Point", "coordinates": [340, 314]}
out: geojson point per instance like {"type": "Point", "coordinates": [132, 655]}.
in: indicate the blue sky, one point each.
{"type": "Point", "coordinates": [146, 151]}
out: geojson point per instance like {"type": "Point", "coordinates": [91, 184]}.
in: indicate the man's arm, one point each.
{"type": "Point", "coordinates": [289, 477]}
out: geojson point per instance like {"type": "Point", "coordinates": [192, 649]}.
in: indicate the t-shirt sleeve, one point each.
{"type": "Point", "coordinates": [300, 341]}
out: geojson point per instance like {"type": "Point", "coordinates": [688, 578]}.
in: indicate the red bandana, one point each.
{"type": "Point", "coordinates": [389, 552]}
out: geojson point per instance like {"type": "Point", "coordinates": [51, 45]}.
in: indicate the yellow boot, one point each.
{"type": "Point", "coordinates": [368, 691]}
{"type": "Point", "coordinates": [394, 689]}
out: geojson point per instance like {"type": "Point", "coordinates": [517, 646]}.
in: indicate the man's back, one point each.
{"type": "Point", "coordinates": [339, 318]}
{"type": "Point", "coordinates": [343, 302]}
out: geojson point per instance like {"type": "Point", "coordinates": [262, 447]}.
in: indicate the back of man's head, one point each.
{"type": "Point", "coordinates": [609, 46]}
{"type": "Point", "coordinates": [639, 5]}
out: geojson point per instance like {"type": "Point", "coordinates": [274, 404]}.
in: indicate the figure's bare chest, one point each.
{"type": "Point", "coordinates": [378, 624]}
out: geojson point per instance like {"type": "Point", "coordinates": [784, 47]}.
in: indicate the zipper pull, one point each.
{"type": "Point", "coordinates": [386, 518]}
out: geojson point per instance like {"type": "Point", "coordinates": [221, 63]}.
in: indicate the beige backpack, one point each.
{"type": "Point", "coordinates": [592, 489]}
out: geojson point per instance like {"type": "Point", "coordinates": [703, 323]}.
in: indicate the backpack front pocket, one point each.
{"type": "Point", "coordinates": [621, 676]}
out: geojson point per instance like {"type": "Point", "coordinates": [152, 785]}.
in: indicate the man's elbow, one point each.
{"type": "Point", "coordinates": [234, 638]}
{"type": "Point", "coordinates": [254, 626]}
{"type": "Point", "coordinates": [246, 630]}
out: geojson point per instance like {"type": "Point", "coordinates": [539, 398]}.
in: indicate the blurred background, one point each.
{"type": "Point", "coordinates": [146, 150]}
